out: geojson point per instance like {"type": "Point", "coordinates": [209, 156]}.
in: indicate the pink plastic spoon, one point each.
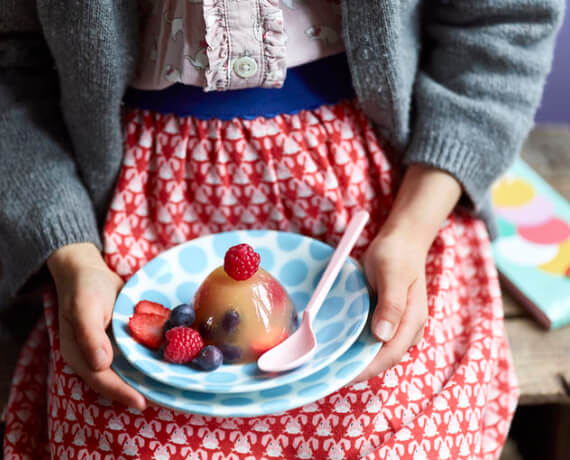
{"type": "Point", "coordinates": [300, 347]}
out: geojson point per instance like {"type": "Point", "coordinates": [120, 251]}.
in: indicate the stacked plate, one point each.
{"type": "Point", "coordinates": [344, 343]}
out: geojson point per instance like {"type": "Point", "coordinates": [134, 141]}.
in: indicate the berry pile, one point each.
{"type": "Point", "coordinates": [155, 326]}
{"type": "Point", "coordinates": [224, 327]}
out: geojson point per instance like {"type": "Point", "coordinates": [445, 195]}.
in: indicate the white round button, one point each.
{"type": "Point", "coordinates": [245, 67]}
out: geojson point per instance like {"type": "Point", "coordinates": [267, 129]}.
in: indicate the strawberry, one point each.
{"type": "Point", "coordinates": [147, 329]}
{"type": "Point", "coordinates": [241, 262]}
{"type": "Point", "coordinates": [146, 306]}
{"type": "Point", "coordinates": [182, 344]}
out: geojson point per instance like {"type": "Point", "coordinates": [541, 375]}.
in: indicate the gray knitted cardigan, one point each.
{"type": "Point", "coordinates": [449, 83]}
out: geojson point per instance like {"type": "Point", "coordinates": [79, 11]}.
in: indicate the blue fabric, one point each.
{"type": "Point", "coordinates": [308, 86]}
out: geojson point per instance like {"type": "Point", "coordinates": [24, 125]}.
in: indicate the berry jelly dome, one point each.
{"type": "Point", "coordinates": [243, 318]}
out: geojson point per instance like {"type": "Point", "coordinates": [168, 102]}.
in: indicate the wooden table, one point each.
{"type": "Point", "coordinates": [542, 358]}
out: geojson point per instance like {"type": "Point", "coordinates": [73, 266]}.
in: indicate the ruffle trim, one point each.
{"type": "Point", "coordinates": [274, 44]}
{"type": "Point", "coordinates": [217, 51]}
{"type": "Point", "coordinates": [271, 32]}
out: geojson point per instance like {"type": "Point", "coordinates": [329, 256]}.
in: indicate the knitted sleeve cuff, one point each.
{"type": "Point", "coordinates": [44, 204]}
{"type": "Point", "coordinates": [44, 209]}
{"type": "Point", "coordinates": [27, 249]}
{"type": "Point", "coordinates": [478, 86]}
{"type": "Point", "coordinates": [457, 158]}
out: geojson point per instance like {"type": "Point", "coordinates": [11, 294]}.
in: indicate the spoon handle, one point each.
{"type": "Point", "coordinates": [349, 238]}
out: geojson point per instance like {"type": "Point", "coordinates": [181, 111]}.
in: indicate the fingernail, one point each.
{"type": "Point", "coordinates": [141, 404]}
{"type": "Point", "coordinates": [384, 330]}
{"type": "Point", "coordinates": [99, 358]}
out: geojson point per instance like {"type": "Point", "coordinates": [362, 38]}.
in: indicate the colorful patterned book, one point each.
{"type": "Point", "coordinates": [532, 252]}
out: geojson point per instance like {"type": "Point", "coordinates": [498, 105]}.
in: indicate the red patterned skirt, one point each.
{"type": "Point", "coordinates": [451, 396]}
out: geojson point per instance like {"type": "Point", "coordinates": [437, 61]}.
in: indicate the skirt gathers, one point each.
{"type": "Point", "coordinates": [451, 396]}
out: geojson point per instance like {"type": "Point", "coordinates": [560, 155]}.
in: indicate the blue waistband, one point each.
{"type": "Point", "coordinates": [308, 86]}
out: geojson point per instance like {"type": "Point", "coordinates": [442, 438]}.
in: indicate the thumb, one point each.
{"type": "Point", "coordinates": [392, 290]}
{"type": "Point", "coordinates": [89, 331]}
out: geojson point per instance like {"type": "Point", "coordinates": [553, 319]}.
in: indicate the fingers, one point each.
{"type": "Point", "coordinates": [104, 382]}
{"type": "Point", "coordinates": [391, 352]}
{"type": "Point", "coordinates": [392, 293]}
{"type": "Point", "coordinates": [88, 311]}
{"type": "Point", "coordinates": [87, 290]}
{"type": "Point", "coordinates": [419, 335]}
{"type": "Point", "coordinates": [417, 299]}
{"type": "Point", "coordinates": [88, 327]}
{"type": "Point", "coordinates": [409, 333]}
{"type": "Point", "coordinates": [112, 387]}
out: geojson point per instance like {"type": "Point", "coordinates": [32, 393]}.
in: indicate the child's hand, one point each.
{"type": "Point", "coordinates": [395, 262]}
{"type": "Point", "coordinates": [86, 291]}
{"type": "Point", "coordinates": [395, 268]}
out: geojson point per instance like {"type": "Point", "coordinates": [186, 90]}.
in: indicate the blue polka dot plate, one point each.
{"type": "Point", "coordinates": [296, 261]}
{"type": "Point", "coordinates": [251, 404]}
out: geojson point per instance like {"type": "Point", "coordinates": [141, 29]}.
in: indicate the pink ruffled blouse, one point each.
{"type": "Point", "coordinates": [232, 44]}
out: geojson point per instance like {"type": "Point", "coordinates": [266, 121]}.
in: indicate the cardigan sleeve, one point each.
{"type": "Point", "coordinates": [43, 202]}
{"type": "Point", "coordinates": [480, 80]}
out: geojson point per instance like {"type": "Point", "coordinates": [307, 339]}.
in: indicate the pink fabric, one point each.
{"type": "Point", "coordinates": [197, 42]}
{"type": "Point", "coordinates": [450, 397]}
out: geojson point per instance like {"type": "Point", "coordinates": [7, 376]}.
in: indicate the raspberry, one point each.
{"type": "Point", "coordinates": [182, 344]}
{"type": "Point", "coordinates": [241, 262]}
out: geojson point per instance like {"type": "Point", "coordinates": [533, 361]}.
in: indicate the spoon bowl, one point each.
{"type": "Point", "coordinates": [300, 346]}
{"type": "Point", "coordinates": [297, 349]}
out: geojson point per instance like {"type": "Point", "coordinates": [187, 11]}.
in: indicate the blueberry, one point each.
{"type": "Point", "coordinates": [206, 328]}
{"type": "Point", "coordinates": [230, 321]}
{"type": "Point", "coordinates": [182, 315]}
{"type": "Point", "coordinates": [231, 353]}
{"type": "Point", "coordinates": [167, 326]}
{"type": "Point", "coordinates": [209, 358]}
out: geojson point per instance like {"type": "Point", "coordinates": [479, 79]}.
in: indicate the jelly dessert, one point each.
{"type": "Point", "coordinates": [241, 309]}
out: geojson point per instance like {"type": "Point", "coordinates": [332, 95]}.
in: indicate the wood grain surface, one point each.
{"type": "Point", "coordinates": [542, 358]}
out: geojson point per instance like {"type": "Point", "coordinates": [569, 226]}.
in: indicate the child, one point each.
{"type": "Point", "coordinates": [302, 154]}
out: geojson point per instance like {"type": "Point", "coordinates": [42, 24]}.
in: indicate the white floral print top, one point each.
{"type": "Point", "coordinates": [232, 44]}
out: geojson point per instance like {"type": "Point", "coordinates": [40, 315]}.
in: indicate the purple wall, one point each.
{"type": "Point", "coordinates": [555, 107]}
